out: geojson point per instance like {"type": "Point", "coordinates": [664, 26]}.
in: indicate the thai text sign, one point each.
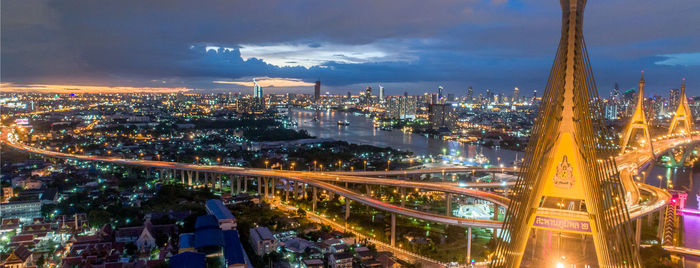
{"type": "Point", "coordinates": [562, 224]}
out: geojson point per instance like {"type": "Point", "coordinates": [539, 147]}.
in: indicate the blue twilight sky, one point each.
{"type": "Point", "coordinates": [406, 45]}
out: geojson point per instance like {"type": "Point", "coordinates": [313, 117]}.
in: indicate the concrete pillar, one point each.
{"type": "Point", "coordinates": [189, 178]}
{"type": "Point", "coordinates": [245, 184]}
{"type": "Point", "coordinates": [638, 232]}
{"type": "Point", "coordinates": [196, 177]}
{"type": "Point", "coordinates": [273, 187]}
{"type": "Point", "coordinates": [469, 245]}
{"type": "Point", "coordinates": [266, 186]}
{"type": "Point", "coordinates": [238, 185]}
{"type": "Point", "coordinates": [260, 193]}
{"type": "Point", "coordinates": [233, 191]}
{"type": "Point", "coordinates": [448, 198]}
{"type": "Point", "coordinates": [650, 219]}
{"type": "Point", "coordinates": [304, 187]}
{"type": "Point", "coordinates": [347, 209]}
{"type": "Point", "coordinates": [182, 176]}
{"type": "Point", "coordinates": [393, 229]}
{"type": "Point", "coordinates": [660, 232]}
{"type": "Point", "coordinates": [402, 193]}
{"type": "Point", "coordinates": [286, 190]}
{"type": "Point", "coordinates": [367, 190]}
{"type": "Point", "coordinates": [495, 211]}
{"type": "Point", "coordinates": [148, 173]}
{"type": "Point", "coordinates": [313, 204]}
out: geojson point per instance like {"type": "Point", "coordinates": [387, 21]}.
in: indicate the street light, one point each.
{"type": "Point", "coordinates": [365, 165]}
{"type": "Point", "coordinates": [314, 165]}
{"type": "Point", "coordinates": [340, 165]}
{"type": "Point", "coordinates": [266, 162]}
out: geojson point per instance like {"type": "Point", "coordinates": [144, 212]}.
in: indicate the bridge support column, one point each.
{"type": "Point", "coordinates": [303, 185]}
{"type": "Point", "coordinates": [469, 245]}
{"type": "Point", "coordinates": [230, 183]}
{"type": "Point", "coordinates": [347, 210]}
{"type": "Point", "coordinates": [393, 229]}
{"type": "Point", "coordinates": [182, 176]}
{"type": "Point", "coordinates": [495, 217]}
{"type": "Point", "coordinates": [148, 173]}
{"type": "Point", "coordinates": [286, 191]}
{"type": "Point", "coordinates": [313, 204]}
{"type": "Point", "coordinates": [245, 184]}
{"type": "Point", "coordinates": [660, 232]}
{"type": "Point", "coordinates": [402, 192]}
{"type": "Point", "coordinates": [638, 232]}
{"type": "Point", "coordinates": [196, 177]}
{"type": "Point", "coordinates": [266, 186]}
{"type": "Point", "coordinates": [273, 187]}
{"type": "Point", "coordinates": [448, 198]}
{"type": "Point", "coordinates": [260, 193]}
{"type": "Point", "coordinates": [650, 219]}
{"type": "Point", "coordinates": [189, 178]}
{"type": "Point", "coordinates": [238, 185]}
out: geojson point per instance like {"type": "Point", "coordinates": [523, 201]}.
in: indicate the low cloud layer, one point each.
{"type": "Point", "coordinates": [409, 45]}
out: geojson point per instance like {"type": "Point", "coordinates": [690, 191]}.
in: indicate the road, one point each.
{"type": "Point", "coordinates": [626, 162]}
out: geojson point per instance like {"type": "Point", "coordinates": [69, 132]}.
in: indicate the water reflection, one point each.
{"type": "Point", "coordinates": [361, 131]}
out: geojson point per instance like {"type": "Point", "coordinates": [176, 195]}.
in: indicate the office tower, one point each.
{"type": "Point", "coordinates": [405, 93]}
{"type": "Point", "coordinates": [450, 97]}
{"type": "Point", "coordinates": [401, 107]}
{"type": "Point", "coordinates": [440, 89]}
{"type": "Point", "coordinates": [673, 98]}
{"type": "Point", "coordinates": [349, 95]}
{"type": "Point", "coordinates": [442, 116]}
{"type": "Point", "coordinates": [381, 94]}
{"type": "Point", "coordinates": [257, 91]}
{"type": "Point", "coordinates": [516, 94]}
{"type": "Point", "coordinates": [317, 91]}
{"type": "Point", "coordinates": [470, 93]}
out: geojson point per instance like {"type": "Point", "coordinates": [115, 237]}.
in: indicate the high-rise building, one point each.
{"type": "Point", "coordinates": [257, 91]}
{"type": "Point", "coordinates": [317, 91]}
{"type": "Point", "coordinates": [450, 97]}
{"type": "Point", "coordinates": [367, 98]}
{"type": "Point", "coordinates": [349, 96]}
{"type": "Point", "coordinates": [516, 94]}
{"type": "Point", "coordinates": [381, 94]}
{"type": "Point", "coordinates": [470, 93]}
{"type": "Point", "coordinates": [442, 116]}
{"type": "Point", "coordinates": [401, 107]}
{"type": "Point", "coordinates": [674, 97]}
{"type": "Point", "coordinates": [440, 89]}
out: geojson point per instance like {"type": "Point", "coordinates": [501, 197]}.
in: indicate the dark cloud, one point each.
{"type": "Point", "coordinates": [457, 43]}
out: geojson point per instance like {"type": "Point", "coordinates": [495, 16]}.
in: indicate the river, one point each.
{"type": "Point", "coordinates": [361, 130]}
{"type": "Point", "coordinates": [688, 180]}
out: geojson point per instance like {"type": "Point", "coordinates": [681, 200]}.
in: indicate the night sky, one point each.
{"type": "Point", "coordinates": [406, 45]}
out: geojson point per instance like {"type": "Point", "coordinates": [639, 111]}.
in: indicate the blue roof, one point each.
{"type": "Point", "coordinates": [233, 252]}
{"type": "Point", "coordinates": [188, 260]}
{"type": "Point", "coordinates": [217, 208]}
{"type": "Point", "coordinates": [207, 232]}
{"type": "Point", "coordinates": [186, 240]}
{"type": "Point", "coordinates": [206, 221]}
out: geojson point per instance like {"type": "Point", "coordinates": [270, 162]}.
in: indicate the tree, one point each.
{"type": "Point", "coordinates": [40, 261]}
{"type": "Point", "coordinates": [98, 218]}
{"type": "Point", "coordinates": [301, 212]}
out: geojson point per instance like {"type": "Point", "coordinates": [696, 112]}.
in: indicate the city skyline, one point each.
{"type": "Point", "coordinates": [495, 45]}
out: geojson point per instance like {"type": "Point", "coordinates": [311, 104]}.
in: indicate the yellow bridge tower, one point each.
{"type": "Point", "coordinates": [638, 123]}
{"type": "Point", "coordinates": [568, 206]}
{"type": "Point", "coordinates": [682, 115]}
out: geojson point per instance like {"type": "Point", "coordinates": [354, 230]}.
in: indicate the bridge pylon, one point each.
{"type": "Point", "coordinates": [638, 123]}
{"type": "Point", "coordinates": [568, 206]}
{"type": "Point", "coordinates": [683, 115]}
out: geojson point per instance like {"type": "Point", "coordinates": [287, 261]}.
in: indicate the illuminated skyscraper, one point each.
{"type": "Point", "coordinates": [257, 91]}
{"type": "Point", "coordinates": [381, 94]}
{"type": "Point", "coordinates": [440, 89]}
{"type": "Point", "coordinates": [317, 91]}
{"type": "Point", "coordinates": [516, 95]}
{"type": "Point", "coordinates": [470, 93]}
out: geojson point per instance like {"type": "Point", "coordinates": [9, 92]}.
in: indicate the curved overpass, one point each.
{"type": "Point", "coordinates": [303, 177]}
{"type": "Point", "coordinates": [323, 181]}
